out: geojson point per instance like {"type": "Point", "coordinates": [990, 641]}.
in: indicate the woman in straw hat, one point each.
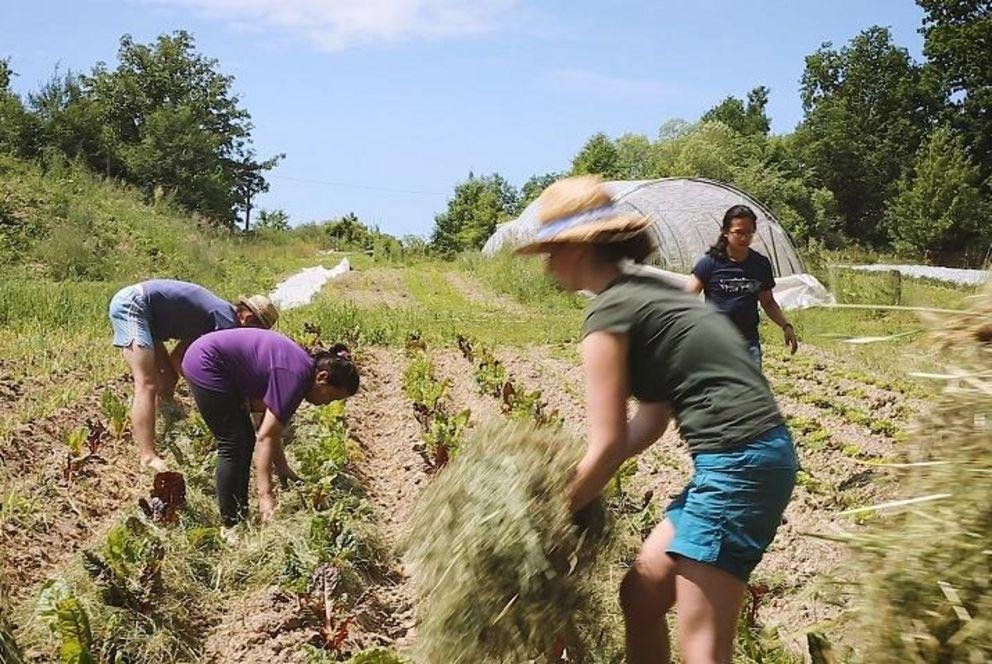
{"type": "Point", "coordinates": [226, 368]}
{"type": "Point", "coordinates": [146, 315]}
{"type": "Point", "coordinates": [678, 357]}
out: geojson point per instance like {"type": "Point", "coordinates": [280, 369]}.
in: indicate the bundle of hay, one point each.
{"type": "Point", "coordinates": [496, 558]}
{"type": "Point", "coordinates": [928, 592]}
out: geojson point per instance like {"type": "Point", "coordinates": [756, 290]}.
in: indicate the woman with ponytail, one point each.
{"type": "Point", "coordinates": [736, 278]}
{"type": "Point", "coordinates": [227, 369]}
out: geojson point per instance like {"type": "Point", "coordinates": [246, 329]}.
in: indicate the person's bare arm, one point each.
{"type": "Point", "coordinates": [693, 285]}
{"type": "Point", "coordinates": [604, 360]}
{"type": "Point", "coordinates": [774, 311]}
{"type": "Point", "coordinates": [268, 450]}
{"type": "Point", "coordinates": [648, 424]}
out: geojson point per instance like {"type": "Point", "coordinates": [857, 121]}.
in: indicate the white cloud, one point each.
{"type": "Point", "coordinates": [334, 25]}
{"type": "Point", "coordinates": [600, 84]}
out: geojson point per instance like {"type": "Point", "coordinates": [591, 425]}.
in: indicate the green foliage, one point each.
{"type": "Point", "coordinates": [72, 256]}
{"type": "Point", "coordinates": [598, 156]}
{"type": "Point", "coordinates": [325, 458]}
{"type": "Point", "coordinates": [490, 374]}
{"type": "Point", "coordinates": [116, 412]}
{"type": "Point", "coordinates": [75, 440]}
{"type": "Point", "coordinates": [349, 234]}
{"type": "Point", "coordinates": [442, 429]}
{"type": "Point", "coordinates": [16, 123]}
{"type": "Point", "coordinates": [534, 185]}
{"type": "Point", "coordinates": [634, 159]}
{"type": "Point", "coordinates": [272, 220]}
{"type": "Point", "coordinates": [175, 122]}
{"type": "Point", "coordinates": [477, 206]}
{"type": "Point", "coordinates": [856, 287]}
{"type": "Point", "coordinates": [377, 656]}
{"type": "Point", "coordinates": [942, 208]}
{"type": "Point", "coordinates": [419, 382]}
{"type": "Point", "coordinates": [744, 120]}
{"type": "Point", "coordinates": [957, 34]}
{"type": "Point", "coordinates": [868, 108]}
{"type": "Point", "coordinates": [445, 432]}
{"type": "Point", "coordinates": [70, 122]}
{"type": "Point", "coordinates": [712, 149]}
{"type": "Point", "coordinates": [333, 535]}
{"type": "Point", "coordinates": [68, 621]}
{"type": "Point", "coordinates": [128, 567]}
{"type": "Point", "coordinates": [164, 119]}
{"type": "Point", "coordinates": [521, 278]}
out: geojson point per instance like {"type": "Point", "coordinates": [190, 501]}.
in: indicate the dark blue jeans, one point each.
{"type": "Point", "coordinates": [228, 420]}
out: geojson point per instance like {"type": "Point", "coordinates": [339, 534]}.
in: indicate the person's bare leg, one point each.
{"type": "Point", "coordinates": [646, 594]}
{"type": "Point", "coordinates": [146, 381]}
{"type": "Point", "coordinates": [167, 375]}
{"type": "Point", "coordinates": [708, 601]}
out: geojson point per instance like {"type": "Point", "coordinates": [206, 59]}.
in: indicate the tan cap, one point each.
{"type": "Point", "coordinates": [262, 307]}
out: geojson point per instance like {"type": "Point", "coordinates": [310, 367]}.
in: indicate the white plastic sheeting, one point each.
{"type": "Point", "coordinates": [950, 274]}
{"type": "Point", "coordinates": [300, 288]}
{"type": "Point", "coordinates": [686, 215]}
{"type": "Point", "coordinates": [795, 291]}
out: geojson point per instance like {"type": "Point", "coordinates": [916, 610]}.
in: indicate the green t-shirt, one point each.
{"type": "Point", "coordinates": [685, 352]}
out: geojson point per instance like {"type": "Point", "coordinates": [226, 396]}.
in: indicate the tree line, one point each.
{"type": "Point", "coordinates": [890, 153]}
{"type": "Point", "coordinates": [164, 120]}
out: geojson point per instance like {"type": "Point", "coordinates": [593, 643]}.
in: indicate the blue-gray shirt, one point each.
{"type": "Point", "coordinates": [181, 310]}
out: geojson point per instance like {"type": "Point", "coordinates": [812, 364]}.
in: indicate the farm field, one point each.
{"type": "Point", "coordinates": [325, 582]}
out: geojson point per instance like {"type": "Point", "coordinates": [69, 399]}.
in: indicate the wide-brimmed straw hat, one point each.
{"type": "Point", "coordinates": [262, 307]}
{"type": "Point", "coordinates": [580, 209]}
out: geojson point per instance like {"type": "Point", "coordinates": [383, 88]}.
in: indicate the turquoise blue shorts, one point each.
{"type": "Point", "coordinates": [729, 513]}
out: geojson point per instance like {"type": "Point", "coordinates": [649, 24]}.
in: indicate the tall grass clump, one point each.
{"type": "Point", "coordinates": [927, 594]}
{"type": "Point", "coordinates": [496, 557]}
{"type": "Point", "coordinates": [523, 279]}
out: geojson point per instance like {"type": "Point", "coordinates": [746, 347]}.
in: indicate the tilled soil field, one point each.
{"type": "Point", "coordinates": [845, 431]}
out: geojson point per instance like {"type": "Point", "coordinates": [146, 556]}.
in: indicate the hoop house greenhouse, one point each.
{"type": "Point", "coordinates": [686, 213]}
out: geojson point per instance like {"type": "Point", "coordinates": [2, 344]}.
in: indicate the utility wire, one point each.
{"type": "Point", "coordinates": [351, 185]}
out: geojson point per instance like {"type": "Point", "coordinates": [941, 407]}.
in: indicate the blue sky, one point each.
{"type": "Point", "coordinates": [382, 106]}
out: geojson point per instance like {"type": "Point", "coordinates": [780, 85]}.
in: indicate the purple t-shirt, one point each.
{"type": "Point", "coordinates": [180, 310]}
{"type": "Point", "coordinates": [253, 363]}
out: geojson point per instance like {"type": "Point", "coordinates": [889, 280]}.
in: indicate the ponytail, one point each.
{"type": "Point", "coordinates": [341, 370]}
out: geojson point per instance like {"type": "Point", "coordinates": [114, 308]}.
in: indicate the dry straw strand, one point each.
{"type": "Point", "coordinates": [927, 572]}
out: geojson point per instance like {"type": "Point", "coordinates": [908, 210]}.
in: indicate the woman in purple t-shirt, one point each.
{"type": "Point", "coordinates": [228, 368]}
{"type": "Point", "coordinates": [144, 316]}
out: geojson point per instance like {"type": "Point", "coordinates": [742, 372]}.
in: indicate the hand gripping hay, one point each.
{"type": "Point", "coordinates": [495, 557]}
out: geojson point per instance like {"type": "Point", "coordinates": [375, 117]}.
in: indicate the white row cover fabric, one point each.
{"type": "Point", "coordinates": [687, 213]}
{"type": "Point", "coordinates": [949, 274]}
{"type": "Point", "coordinates": [300, 288]}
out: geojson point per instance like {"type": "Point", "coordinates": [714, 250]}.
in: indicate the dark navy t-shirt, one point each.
{"type": "Point", "coordinates": [180, 310]}
{"type": "Point", "coordinates": [733, 288]}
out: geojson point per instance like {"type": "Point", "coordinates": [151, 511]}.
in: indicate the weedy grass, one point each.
{"type": "Point", "coordinates": [498, 563]}
{"type": "Point", "coordinates": [926, 590]}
